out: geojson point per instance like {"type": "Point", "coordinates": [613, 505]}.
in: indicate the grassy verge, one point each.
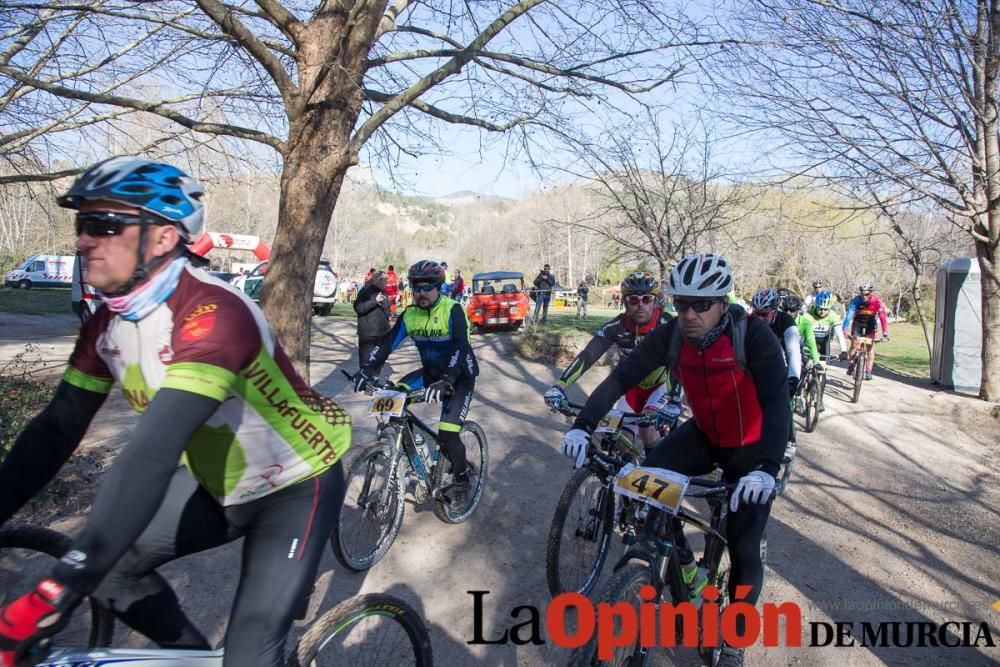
{"type": "Point", "coordinates": [906, 351]}
{"type": "Point", "coordinates": [36, 301]}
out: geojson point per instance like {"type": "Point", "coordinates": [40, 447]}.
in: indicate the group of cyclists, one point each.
{"type": "Point", "coordinates": [262, 450]}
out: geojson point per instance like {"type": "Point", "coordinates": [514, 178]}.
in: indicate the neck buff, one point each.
{"type": "Point", "coordinates": [141, 301]}
{"type": "Point", "coordinates": [713, 334]}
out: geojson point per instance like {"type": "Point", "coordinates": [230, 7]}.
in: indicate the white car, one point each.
{"type": "Point", "coordinates": [324, 287]}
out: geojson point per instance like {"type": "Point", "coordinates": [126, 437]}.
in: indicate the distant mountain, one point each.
{"type": "Point", "coordinates": [468, 198]}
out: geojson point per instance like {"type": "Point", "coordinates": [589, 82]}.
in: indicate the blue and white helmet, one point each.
{"type": "Point", "coordinates": [155, 187]}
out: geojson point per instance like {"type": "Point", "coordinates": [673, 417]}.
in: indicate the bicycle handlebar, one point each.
{"type": "Point", "coordinates": [573, 409]}
{"type": "Point", "coordinates": [412, 395]}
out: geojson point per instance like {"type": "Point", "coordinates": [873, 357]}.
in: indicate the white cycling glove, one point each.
{"type": "Point", "coordinates": [555, 397]}
{"type": "Point", "coordinates": [755, 487]}
{"type": "Point", "coordinates": [574, 445]}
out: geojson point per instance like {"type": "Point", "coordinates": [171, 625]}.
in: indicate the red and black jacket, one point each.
{"type": "Point", "coordinates": [731, 405]}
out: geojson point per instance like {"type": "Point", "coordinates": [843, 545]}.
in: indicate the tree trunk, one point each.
{"type": "Point", "coordinates": [310, 185]}
{"type": "Point", "coordinates": [918, 303]}
{"type": "Point", "coordinates": [990, 286]}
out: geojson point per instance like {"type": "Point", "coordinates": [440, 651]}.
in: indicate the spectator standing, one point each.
{"type": "Point", "coordinates": [392, 287]}
{"type": "Point", "coordinates": [446, 287]}
{"type": "Point", "coordinates": [372, 307]}
{"type": "Point", "coordinates": [458, 287]}
{"type": "Point", "coordinates": [581, 302]}
{"type": "Point", "coordinates": [544, 282]}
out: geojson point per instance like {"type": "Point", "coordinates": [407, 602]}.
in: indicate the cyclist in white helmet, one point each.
{"type": "Point", "coordinates": [733, 372]}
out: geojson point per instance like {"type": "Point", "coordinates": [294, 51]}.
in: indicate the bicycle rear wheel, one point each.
{"type": "Point", "coordinates": [372, 513]}
{"type": "Point", "coordinates": [580, 536]}
{"type": "Point", "coordinates": [373, 629]}
{"type": "Point", "coordinates": [27, 555]}
{"type": "Point", "coordinates": [477, 453]}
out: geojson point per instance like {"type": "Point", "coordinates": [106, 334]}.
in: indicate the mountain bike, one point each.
{"type": "Point", "coordinates": [405, 455]}
{"type": "Point", "coordinates": [584, 520]}
{"type": "Point", "coordinates": [651, 534]}
{"type": "Point", "coordinates": [813, 388]}
{"type": "Point", "coordinates": [372, 629]}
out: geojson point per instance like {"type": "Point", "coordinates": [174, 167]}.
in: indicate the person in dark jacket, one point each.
{"type": "Point", "coordinates": [543, 283]}
{"type": "Point", "coordinates": [372, 307]}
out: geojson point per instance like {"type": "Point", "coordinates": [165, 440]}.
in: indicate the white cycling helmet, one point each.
{"type": "Point", "coordinates": [765, 300]}
{"type": "Point", "coordinates": [702, 275]}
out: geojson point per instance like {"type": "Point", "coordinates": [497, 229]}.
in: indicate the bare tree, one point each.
{"type": "Point", "coordinates": [922, 242]}
{"type": "Point", "coordinates": [318, 81]}
{"type": "Point", "coordinates": [894, 97]}
{"type": "Point", "coordinates": [655, 194]}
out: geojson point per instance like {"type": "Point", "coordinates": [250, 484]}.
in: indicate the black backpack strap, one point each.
{"type": "Point", "coordinates": [739, 336]}
{"type": "Point", "coordinates": [674, 348]}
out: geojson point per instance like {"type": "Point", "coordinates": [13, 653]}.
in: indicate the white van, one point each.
{"type": "Point", "coordinates": [43, 271]}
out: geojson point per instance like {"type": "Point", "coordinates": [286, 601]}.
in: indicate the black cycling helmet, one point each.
{"type": "Point", "coordinates": [426, 271]}
{"type": "Point", "coordinates": [792, 303]}
{"type": "Point", "coordinates": [639, 283]}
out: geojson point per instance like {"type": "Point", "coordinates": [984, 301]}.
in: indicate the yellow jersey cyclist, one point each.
{"type": "Point", "coordinates": [439, 328]}
{"type": "Point", "coordinates": [652, 395]}
{"type": "Point", "coordinates": [198, 361]}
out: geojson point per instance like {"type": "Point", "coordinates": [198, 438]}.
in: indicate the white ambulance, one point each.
{"type": "Point", "coordinates": [43, 271]}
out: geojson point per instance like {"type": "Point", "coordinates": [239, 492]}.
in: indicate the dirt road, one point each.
{"type": "Point", "coordinates": [892, 515]}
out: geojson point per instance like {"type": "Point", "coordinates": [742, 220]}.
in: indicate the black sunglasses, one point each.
{"type": "Point", "coordinates": [104, 223]}
{"type": "Point", "coordinates": [425, 287]}
{"type": "Point", "coordinates": [700, 306]}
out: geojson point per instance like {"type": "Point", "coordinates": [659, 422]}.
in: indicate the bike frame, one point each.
{"type": "Point", "coordinates": [150, 657]}
{"type": "Point", "coordinates": [406, 444]}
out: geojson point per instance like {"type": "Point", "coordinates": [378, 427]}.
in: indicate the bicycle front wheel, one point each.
{"type": "Point", "coordinates": [372, 513]}
{"type": "Point", "coordinates": [811, 401]}
{"type": "Point", "coordinates": [373, 629]}
{"type": "Point", "coordinates": [477, 453]}
{"type": "Point", "coordinates": [624, 587]}
{"type": "Point", "coordinates": [860, 362]}
{"type": "Point", "coordinates": [580, 537]}
{"type": "Point", "coordinates": [27, 555]}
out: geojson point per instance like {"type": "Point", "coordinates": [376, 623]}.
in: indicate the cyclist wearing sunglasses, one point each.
{"type": "Point", "coordinates": [740, 413]}
{"type": "Point", "coordinates": [651, 395]}
{"type": "Point", "coordinates": [824, 321]}
{"type": "Point", "coordinates": [439, 328]}
{"type": "Point", "coordinates": [768, 305]}
{"type": "Point", "coordinates": [810, 298]}
{"type": "Point", "coordinates": [198, 360]}
{"type": "Point", "coordinates": [860, 320]}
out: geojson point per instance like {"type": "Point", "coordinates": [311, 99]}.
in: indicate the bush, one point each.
{"type": "Point", "coordinates": [21, 397]}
